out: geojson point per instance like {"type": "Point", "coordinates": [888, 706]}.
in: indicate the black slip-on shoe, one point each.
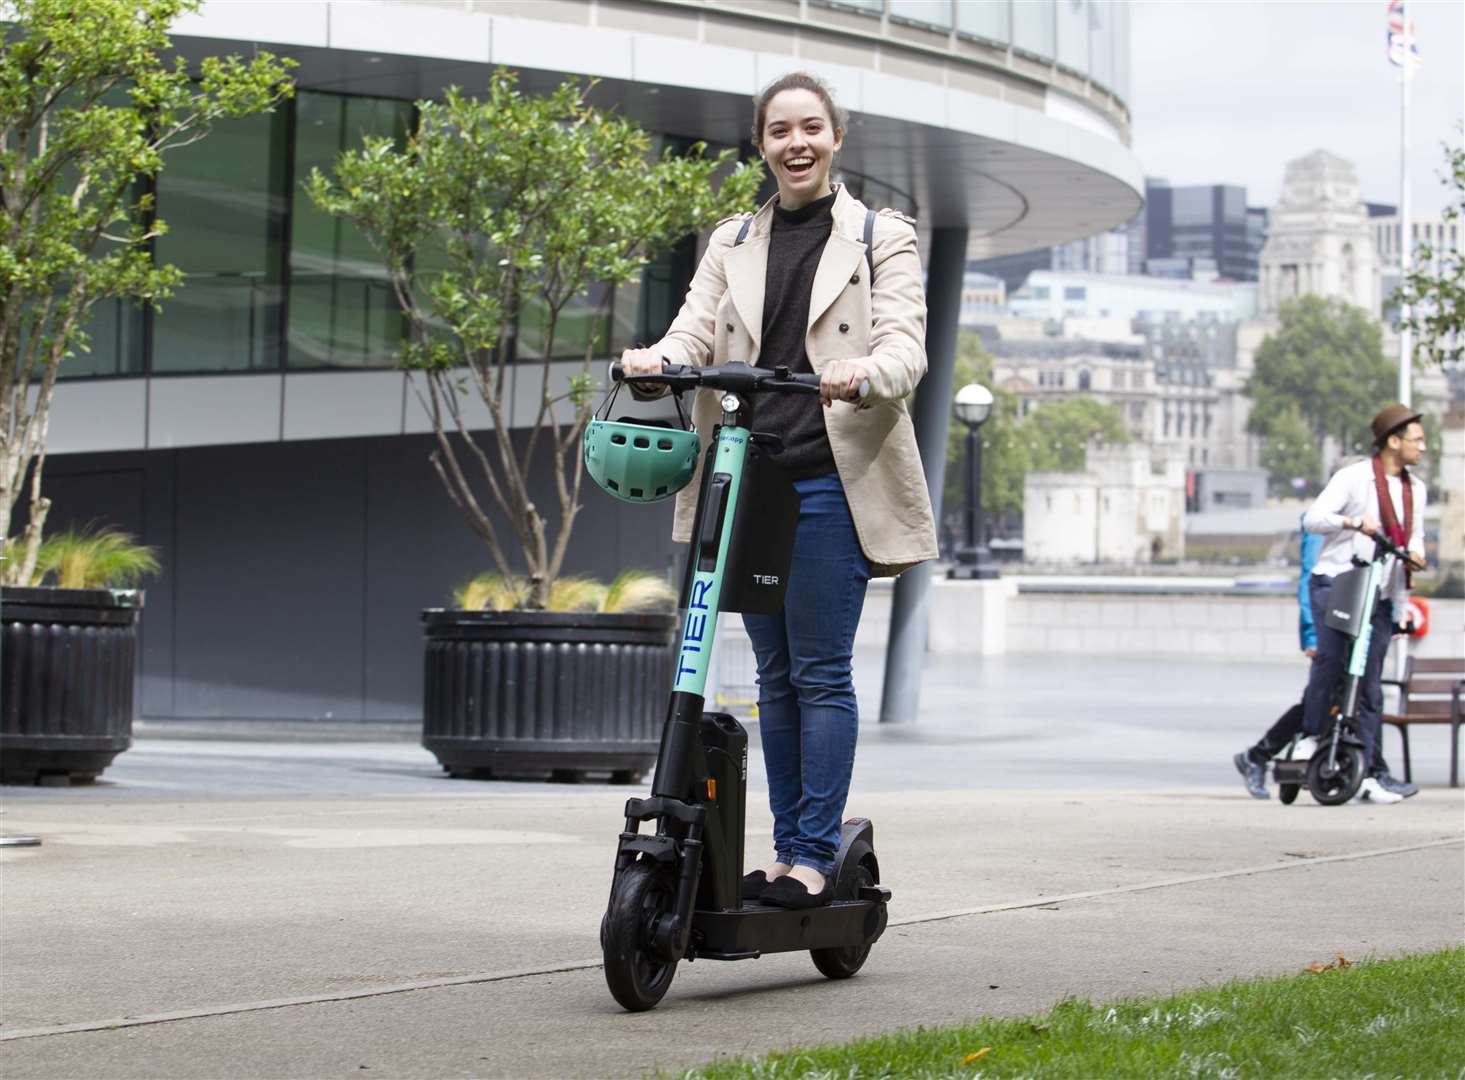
{"type": "Point", "coordinates": [1254, 775]}
{"type": "Point", "coordinates": [754, 884]}
{"type": "Point", "coordinates": [790, 892]}
{"type": "Point", "coordinates": [1396, 786]}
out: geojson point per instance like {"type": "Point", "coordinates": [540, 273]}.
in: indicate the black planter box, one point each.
{"type": "Point", "coordinates": [68, 660]}
{"type": "Point", "coordinates": [528, 693]}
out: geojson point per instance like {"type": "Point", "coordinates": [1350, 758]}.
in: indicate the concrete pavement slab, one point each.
{"type": "Point", "coordinates": [210, 876]}
{"type": "Point", "coordinates": [1009, 963]}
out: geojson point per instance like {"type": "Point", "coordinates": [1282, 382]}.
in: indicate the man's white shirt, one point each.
{"type": "Point", "coordinates": [1351, 493]}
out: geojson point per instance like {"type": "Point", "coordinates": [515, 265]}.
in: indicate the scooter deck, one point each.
{"type": "Point", "coordinates": [1292, 771]}
{"type": "Point", "coordinates": [754, 929]}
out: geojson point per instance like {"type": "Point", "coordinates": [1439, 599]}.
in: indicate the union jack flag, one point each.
{"type": "Point", "coordinates": [1397, 23]}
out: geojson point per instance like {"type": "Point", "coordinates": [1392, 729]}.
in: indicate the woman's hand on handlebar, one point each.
{"type": "Point", "coordinates": [641, 362]}
{"type": "Point", "coordinates": [842, 380]}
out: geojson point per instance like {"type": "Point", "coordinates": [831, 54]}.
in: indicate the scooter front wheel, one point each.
{"type": "Point", "coordinates": [1335, 786]}
{"type": "Point", "coordinates": [1287, 793]}
{"type": "Point", "coordinates": [644, 893]}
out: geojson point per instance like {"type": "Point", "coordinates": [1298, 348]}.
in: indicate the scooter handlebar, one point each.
{"type": "Point", "coordinates": [735, 377]}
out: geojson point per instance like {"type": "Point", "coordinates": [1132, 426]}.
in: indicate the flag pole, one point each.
{"type": "Point", "coordinates": [1406, 240]}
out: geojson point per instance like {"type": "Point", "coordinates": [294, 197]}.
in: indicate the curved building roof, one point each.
{"type": "Point", "coordinates": [1024, 149]}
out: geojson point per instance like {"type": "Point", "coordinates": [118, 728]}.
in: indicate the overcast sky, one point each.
{"type": "Point", "coordinates": [1229, 92]}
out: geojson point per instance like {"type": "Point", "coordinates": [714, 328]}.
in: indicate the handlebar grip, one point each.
{"type": "Point", "coordinates": [615, 371]}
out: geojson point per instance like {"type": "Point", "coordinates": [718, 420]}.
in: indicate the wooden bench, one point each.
{"type": "Point", "coordinates": [1430, 693]}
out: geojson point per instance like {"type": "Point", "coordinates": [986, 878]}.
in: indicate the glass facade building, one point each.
{"type": "Point", "coordinates": [1089, 38]}
{"type": "Point", "coordinates": [274, 283]}
{"type": "Point", "coordinates": [1203, 224]}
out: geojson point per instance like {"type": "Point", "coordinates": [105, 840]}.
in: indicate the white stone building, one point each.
{"type": "Point", "coordinates": [1319, 237]}
{"type": "Point", "coordinates": [1127, 506]}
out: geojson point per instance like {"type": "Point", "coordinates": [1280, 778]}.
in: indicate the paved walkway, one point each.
{"type": "Point", "coordinates": [272, 906]}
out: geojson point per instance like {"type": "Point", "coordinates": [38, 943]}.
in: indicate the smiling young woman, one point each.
{"type": "Point", "coordinates": [814, 281]}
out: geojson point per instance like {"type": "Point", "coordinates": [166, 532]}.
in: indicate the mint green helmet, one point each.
{"type": "Point", "coordinates": [640, 462]}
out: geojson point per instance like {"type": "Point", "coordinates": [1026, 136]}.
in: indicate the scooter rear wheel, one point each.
{"type": "Point", "coordinates": [842, 962]}
{"type": "Point", "coordinates": [644, 893]}
{"type": "Point", "coordinates": [1335, 786]}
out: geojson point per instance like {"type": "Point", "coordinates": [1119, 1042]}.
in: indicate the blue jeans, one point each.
{"type": "Point", "coordinates": [1330, 665]}
{"type": "Point", "coordinates": [807, 716]}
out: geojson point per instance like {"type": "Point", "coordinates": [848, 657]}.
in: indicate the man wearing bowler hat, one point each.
{"type": "Point", "coordinates": [1377, 494]}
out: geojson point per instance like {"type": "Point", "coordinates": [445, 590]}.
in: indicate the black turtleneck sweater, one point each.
{"type": "Point", "coordinates": [795, 245]}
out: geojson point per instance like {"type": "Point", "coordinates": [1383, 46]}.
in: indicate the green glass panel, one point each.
{"type": "Point", "coordinates": [582, 327]}
{"type": "Point", "coordinates": [343, 311]}
{"type": "Point", "coordinates": [224, 201]}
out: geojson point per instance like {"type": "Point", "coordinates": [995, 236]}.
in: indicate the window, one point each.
{"type": "Point", "coordinates": [1041, 292]}
{"type": "Point", "coordinates": [342, 311]}
{"type": "Point", "coordinates": [1085, 379]}
{"type": "Point", "coordinates": [933, 13]}
{"type": "Point", "coordinates": [984, 20]}
{"type": "Point", "coordinates": [224, 201]}
{"type": "Point", "coordinates": [583, 326]}
{"type": "Point", "coordinates": [1073, 34]}
{"type": "Point", "coordinates": [1075, 292]}
{"type": "Point", "coordinates": [1033, 27]}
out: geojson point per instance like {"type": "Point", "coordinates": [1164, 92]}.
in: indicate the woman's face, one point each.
{"type": "Point", "coordinates": [799, 144]}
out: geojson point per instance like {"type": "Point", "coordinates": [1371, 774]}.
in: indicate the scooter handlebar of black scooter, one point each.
{"type": "Point", "coordinates": [744, 379]}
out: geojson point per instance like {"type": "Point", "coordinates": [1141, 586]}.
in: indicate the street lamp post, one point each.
{"type": "Point", "coordinates": [973, 561]}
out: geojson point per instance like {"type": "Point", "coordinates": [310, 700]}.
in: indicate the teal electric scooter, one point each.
{"type": "Point", "coordinates": [1337, 767]}
{"type": "Point", "coordinates": [676, 891]}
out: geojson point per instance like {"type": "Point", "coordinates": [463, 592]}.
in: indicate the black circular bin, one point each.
{"type": "Point", "coordinates": [68, 659]}
{"type": "Point", "coordinates": [516, 693]}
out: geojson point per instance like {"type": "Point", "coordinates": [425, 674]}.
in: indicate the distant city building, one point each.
{"type": "Point", "coordinates": [1126, 506]}
{"type": "Point", "coordinates": [981, 295]}
{"type": "Point", "coordinates": [1229, 489]}
{"type": "Point", "coordinates": [1440, 236]}
{"type": "Point", "coordinates": [1175, 385]}
{"type": "Point", "coordinates": [1106, 253]}
{"type": "Point", "coordinates": [1320, 237]}
{"type": "Point", "coordinates": [1049, 294]}
{"type": "Point", "coordinates": [1111, 252]}
{"type": "Point", "coordinates": [1210, 221]}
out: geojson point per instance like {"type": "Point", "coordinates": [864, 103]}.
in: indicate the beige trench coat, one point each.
{"type": "Point", "coordinates": [883, 328]}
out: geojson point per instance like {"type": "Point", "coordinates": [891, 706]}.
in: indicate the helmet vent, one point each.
{"type": "Point", "coordinates": [641, 442]}
{"type": "Point", "coordinates": [661, 491]}
{"type": "Point", "coordinates": [637, 493]}
{"type": "Point", "coordinates": [612, 484]}
{"type": "Point", "coordinates": [618, 439]}
{"type": "Point", "coordinates": [663, 444]}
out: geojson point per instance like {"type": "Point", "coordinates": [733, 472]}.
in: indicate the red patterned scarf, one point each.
{"type": "Point", "coordinates": [1398, 533]}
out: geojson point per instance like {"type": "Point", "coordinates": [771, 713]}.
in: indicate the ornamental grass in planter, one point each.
{"type": "Point", "coordinates": [68, 657]}
{"type": "Point", "coordinates": [577, 687]}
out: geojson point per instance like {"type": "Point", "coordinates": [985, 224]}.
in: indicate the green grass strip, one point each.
{"type": "Point", "coordinates": [1378, 1018]}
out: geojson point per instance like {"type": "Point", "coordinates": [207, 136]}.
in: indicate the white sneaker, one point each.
{"type": "Point", "coordinates": [1371, 792]}
{"type": "Point", "coordinates": [1304, 748]}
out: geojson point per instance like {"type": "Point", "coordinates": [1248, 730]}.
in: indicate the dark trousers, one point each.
{"type": "Point", "coordinates": [1331, 664]}
{"type": "Point", "coordinates": [1287, 728]}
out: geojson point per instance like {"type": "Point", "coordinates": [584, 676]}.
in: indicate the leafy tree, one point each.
{"type": "Point", "coordinates": [1059, 432]}
{"type": "Point", "coordinates": [1437, 299]}
{"type": "Point", "coordinates": [1291, 450]}
{"type": "Point", "coordinates": [1324, 364]}
{"type": "Point", "coordinates": [88, 108]}
{"type": "Point", "coordinates": [505, 207]}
